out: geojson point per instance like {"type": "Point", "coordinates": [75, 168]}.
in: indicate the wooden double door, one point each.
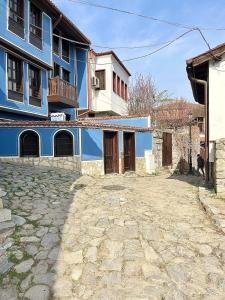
{"type": "Point", "coordinates": [129, 151]}
{"type": "Point", "coordinates": [167, 149]}
{"type": "Point", "coordinates": [111, 152]}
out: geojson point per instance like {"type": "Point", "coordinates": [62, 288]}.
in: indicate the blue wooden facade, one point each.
{"type": "Point", "coordinates": [27, 32]}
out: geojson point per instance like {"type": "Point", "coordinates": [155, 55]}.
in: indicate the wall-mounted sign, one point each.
{"type": "Point", "coordinates": [58, 117]}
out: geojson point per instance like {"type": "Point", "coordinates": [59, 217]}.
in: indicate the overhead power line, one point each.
{"type": "Point", "coordinates": [176, 24]}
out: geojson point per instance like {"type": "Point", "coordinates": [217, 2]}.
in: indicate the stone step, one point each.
{"type": "Point", "coordinates": [5, 215]}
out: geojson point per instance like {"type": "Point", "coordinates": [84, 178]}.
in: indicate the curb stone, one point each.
{"type": "Point", "coordinates": [214, 208]}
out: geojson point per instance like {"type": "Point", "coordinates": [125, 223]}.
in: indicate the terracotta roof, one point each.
{"type": "Point", "coordinates": [206, 56]}
{"type": "Point", "coordinates": [115, 56]}
{"type": "Point", "coordinates": [116, 117]}
{"type": "Point", "coordinates": [71, 124]}
{"type": "Point", "coordinates": [178, 110]}
{"type": "Point", "coordinates": [68, 22]}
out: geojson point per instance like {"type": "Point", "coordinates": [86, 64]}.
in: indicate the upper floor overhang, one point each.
{"type": "Point", "coordinates": [112, 53]}
{"type": "Point", "coordinates": [62, 22]}
{"type": "Point", "coordinates": [198, 71]}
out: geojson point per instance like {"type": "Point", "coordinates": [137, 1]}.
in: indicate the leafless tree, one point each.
{"type": "Point", "coordinates": [143, 95]}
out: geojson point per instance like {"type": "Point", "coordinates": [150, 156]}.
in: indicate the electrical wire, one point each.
{"type": "Point", "coordinates": [176, 24]}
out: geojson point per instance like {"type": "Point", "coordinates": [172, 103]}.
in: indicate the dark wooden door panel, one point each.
{"type": "Point", "coordinates": [111, 155]}
{"type": "Point", "coordinates": [167, 149]}
{"type": "Point", "coordinates": [129, 151]}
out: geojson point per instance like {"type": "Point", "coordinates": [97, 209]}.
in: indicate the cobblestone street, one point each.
{"type": "Point", "coordinates": [117, 237]}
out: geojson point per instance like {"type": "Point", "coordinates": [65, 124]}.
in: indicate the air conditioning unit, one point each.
{"type": "Point", "coordinates": [95, 82]}
{"type": "Point", "coordinates": [97, 87]}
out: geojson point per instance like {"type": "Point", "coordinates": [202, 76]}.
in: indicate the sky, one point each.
{"type": "Point", "coordinates": [167, 67]}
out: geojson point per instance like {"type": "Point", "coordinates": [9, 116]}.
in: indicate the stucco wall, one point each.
{"type": "Point", "coordinates": [9, 138]}
{"type": "Point", "coordinates": [138, 122]}
{"type": "Point", "coordinates": [82, 78]}
{"type": "Point", "coordinates": [216, 100]}
{"type": "Point", "coordinates": [107, 100]}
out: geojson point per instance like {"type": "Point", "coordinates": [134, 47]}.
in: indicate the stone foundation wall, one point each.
{"type": "Point", "coordinates": [92, 167]}
{"type": "Point", "coordinates": [219, 167]}
{"type": "Point", "coordinates": [157, 148]}
{"type": "Point", "coordinates": [72, 163]}
{"type": "Point", "coordinates": [140, 165]}
{"type": "Point", "coordinates": [181, 146]}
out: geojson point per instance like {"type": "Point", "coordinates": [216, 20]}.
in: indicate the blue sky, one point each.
{"type": "Point", "coordinates": [167, 67]}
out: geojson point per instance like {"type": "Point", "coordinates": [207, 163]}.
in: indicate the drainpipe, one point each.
{"type": "Point", "coordinates": [204, 83]}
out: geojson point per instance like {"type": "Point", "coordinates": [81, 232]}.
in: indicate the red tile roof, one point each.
{"type": "Point", "coordinates": [80, 124]}
{"type": "Point", "coordinates": [115, 117]}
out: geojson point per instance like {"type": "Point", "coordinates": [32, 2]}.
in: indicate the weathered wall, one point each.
{"type": "Point", "coordinates": [72, 163]}
{"type": "Point", "coordinates": [157, 148]}
{"type": "Point", "coordinates": [219, 167]}
{"type": "Point", "coordinates": [92, 168]}
{"type": "Point", "coordinates": [181, 146]}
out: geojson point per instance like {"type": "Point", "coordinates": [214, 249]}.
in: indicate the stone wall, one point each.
{"type": "Point", "coordinates": [140, 165]}
{"type": "Point", "coordinates": [92, 167]}
{"type": "Point", "coordinates": [219, 167]}
{"type": "Point", "coordinates": [72, 163]}
{"type": "Point", "coordinates": [181, 147]}
{"type": "Point", "coordinates": [157, 148]}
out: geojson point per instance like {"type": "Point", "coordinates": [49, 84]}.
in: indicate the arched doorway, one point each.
{"type": "Point", "coordinates": [29, 144]}
{"type": "Point", "coordinates": [63, 144]}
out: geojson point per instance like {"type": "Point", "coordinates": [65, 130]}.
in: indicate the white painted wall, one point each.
{"type": "Point", "coordinates": [107, 100]}
{"type": "Point", "coordinates": [217, 100]}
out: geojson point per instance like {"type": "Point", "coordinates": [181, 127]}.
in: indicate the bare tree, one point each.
{"type": "Point", "coordinates": [143, 95]}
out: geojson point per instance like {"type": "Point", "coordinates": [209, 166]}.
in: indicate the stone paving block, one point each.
{"type": "Point", "coordinates": [5, 215]}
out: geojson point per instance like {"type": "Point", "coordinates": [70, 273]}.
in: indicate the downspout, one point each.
{"type": "Point", "coordinates": [204, 83]}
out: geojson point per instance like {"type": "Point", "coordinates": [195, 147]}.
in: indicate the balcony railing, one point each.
{"type": "Point", "coordinates": [62, 93]}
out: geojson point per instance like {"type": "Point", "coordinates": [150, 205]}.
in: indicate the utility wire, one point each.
{"type": "Point", "coordinates": [176, 24]}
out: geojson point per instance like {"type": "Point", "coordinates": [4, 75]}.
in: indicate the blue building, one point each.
{"type": "Point", "coordinates": [42, 70]}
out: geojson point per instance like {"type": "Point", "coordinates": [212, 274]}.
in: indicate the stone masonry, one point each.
{"type": "Point", "coordinates": [72, 163]}
{"type": "Point", "coordinates": [116, 237]}
{"type": "Point", "coordinates": [219, 167]}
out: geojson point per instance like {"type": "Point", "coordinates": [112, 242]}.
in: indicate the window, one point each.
{"type": "Point", "coordinates": [15, 78]}
{"type": "Point", "coordinates": [122, 89]}
{"type": "Point", "coordinates": [66, 75]}
{"type": "Point", "coordinates": [100, 74]}
{"type": "Point", "coordinates": [35, 86]}
{"type": "Point", "coordinates": [114, 82]}
{"type": "Point", "coordinates": [35, 26]}
{"type": "Point", "coordinates": [16, 17]}
{"type": "Point", "coordinates": [29, 144]}
{"type": "Point", "coordinates": [118, 85]}
{"type": "Point", "coordinates": [56, 42]}
{"type": "Point", "coordinates": [63, 144]}
{"type": "Point", "coordinates": [126, 92]}
{"type": "Point", "coordinates": [65, 50]}
{"type": "Point", "coordinates": [56, 70]}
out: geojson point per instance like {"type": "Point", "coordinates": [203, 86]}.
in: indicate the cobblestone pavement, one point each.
{"type": "Point", "coordinates": [118, 237]}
